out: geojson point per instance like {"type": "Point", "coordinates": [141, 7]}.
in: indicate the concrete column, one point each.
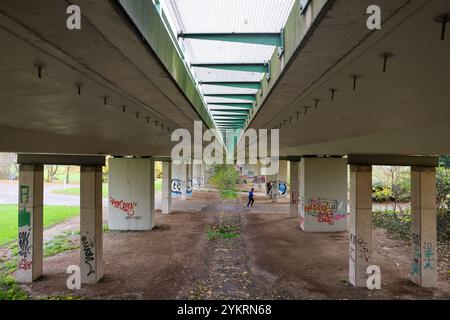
{"type": "Point", "coordinates": [189, 188]}
{"type": "Point", "coordinates": [275, 182]}
{"type": "Point", "coordinates": [323, 194]}
{"type": "Point", "coordinates": [166, 187]}
{"type": "Point", "coordinates": [423, 228]}
{"type": "Point", "coordinates": [294, 175]}
{"type": "Point", "coordinates": [131, 194]}
{"type": "Point", "coordinates": [91, 224]}
{"type": "Point", "coordinates": [31, 196]}
{"type": "Point", "coordinates": [184, 181]}
{"type": "Point", "coordinates": [360, 244]}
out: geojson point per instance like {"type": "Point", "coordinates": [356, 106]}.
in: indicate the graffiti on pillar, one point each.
{"type": "Point", "coordinates": [415, 266]}
{"type": "Point", "coordinates": [428, 255]}
{"type": "Point", "coordinates": [363, 247]}
{"type": "Point", "coordinates": [178, 185]}
{"type": "Point", "coordinates": [25, 231]}
{"type": "Point", "coordinates": [325, 210]}
{"type": "Point", "coordinates": [282, 188]}
{"type": "Point", "coordinates": [88, 247]}
{"type": "Point", "coordinates": [189, 187]}
{"type": "Point", "coordinates": [294, 196]}
{"type": "Point", "coordinates": [125, 206]}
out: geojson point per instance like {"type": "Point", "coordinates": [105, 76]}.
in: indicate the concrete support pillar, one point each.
{"type": "Point", "coordinates": [91, 224]}
{"type": "Point", "coordinates": [423, 229]}
{"type": "Point", "coordinates": [294, 175]}
{"type": "Point", "coordinates": [131, 194]}
{"type": "Point", "coordinates": [360, 244]}
{"type": "Point", "coordinates": [190, 173]}
{"type": "Point", "coordinates": [166, 187]}
{"type": "Point", "coordinates": [275, 182]}
{"type": "Point", "coordinates": [31, 196]}
{"type": "Point", "coordinates": [323, 194]}
{"type": "Point", "coordinates": [184, 182]}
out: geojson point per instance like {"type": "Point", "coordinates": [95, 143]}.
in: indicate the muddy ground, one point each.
{"type": "Point", "coordinates": [270, 259]}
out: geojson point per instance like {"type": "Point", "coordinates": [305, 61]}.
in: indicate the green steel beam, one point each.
{"type": "Point", "coordinates": [243, 105]}
{"type": "Point", "coordinates": [246, 85]}
{"type": "Point", "coordinates": [149, 19]}
{"type": "Point", "coordinates": [243, 67]}
{"type": "Point", "coordinates": [267, 39]}
{"type": "Point", "coordinates": [249, 97]}
{"type": "Point", "coordinates": [226, 112]}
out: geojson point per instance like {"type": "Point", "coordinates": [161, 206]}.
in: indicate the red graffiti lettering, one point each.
{"type": "Point", "coordinates": [24, 265]}
{"type": "Point", "coordinates": [127, 207]}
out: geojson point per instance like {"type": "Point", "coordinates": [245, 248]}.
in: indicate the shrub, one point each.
{"type": "Point", "coordinates": [225, 178]}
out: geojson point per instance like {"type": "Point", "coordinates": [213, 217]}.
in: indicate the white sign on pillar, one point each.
{"type": "Point", "coordinates": [131, 194]}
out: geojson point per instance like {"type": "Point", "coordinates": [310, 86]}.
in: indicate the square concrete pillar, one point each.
{"type": "Point", "coordinates": [131, 194]}
{"type": "Point", "coordinates": [360, 242]}
{"type": "Point", "coordinates": [274, 189]}
{"type": "Point", "coordinates": [31, 197]}
{"type": "Point", "coordinates": [294, 175]}
{"type": "Point", "coordinates": [166, 187]}
{"type": "Point", "coordinates": [283, 171]}
{"type": "Point", "coordinates": [190, 173]}
{"type": "Point", "coordinates": [323, 194]}
{"type": "Point", "coordinates": [91, 224]}
{"type": "Point", "coordinates": [423, 228]}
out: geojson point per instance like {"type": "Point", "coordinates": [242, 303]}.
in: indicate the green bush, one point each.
{"type": "Point", "coordinates": [225, 178]}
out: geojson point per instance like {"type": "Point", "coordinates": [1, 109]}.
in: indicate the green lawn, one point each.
{"type": "Point", "coordinates": [52, 215]}
{"type": "Point", "coordinates": [76, 190]}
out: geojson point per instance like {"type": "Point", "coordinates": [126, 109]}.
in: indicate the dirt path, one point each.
{"type": "Point", "coordinates": [270, 259]}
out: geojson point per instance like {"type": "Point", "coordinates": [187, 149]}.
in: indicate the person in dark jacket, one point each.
{"type": "Point", "coordinates": [250, 198]}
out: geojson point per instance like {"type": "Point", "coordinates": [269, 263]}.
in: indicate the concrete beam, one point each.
{"type": "Point", "coordinates": [392, 160]}
{"type": "Point", "coordinates": [56, 159]}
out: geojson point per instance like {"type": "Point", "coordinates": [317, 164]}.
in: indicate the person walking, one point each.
{"type": "Point", "coordinates": [250, 198]}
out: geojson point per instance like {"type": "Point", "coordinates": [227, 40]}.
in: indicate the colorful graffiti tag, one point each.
{"type": "Point", "coordinates": [428, 255]}
{"type": "Point", "coordinates": [177, 186]}
{"type": "Point", "coordinates": [126, 207]}
{"type": "Point", "coordinates": [282, 188]}
{"type": "Point", "coordinates": [415, 266]}
{"type": "Point", "coordinates": [324, 210]}
{"type": "Point", "coordinates": [25, 231]}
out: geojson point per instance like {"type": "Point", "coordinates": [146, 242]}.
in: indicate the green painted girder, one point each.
{"type": "Point", "coordinates": [228, 113]}
{"type": "Point", "coordinates": [243, 105]}
{"type": "Point", "coordinates": [246, 85]}
{"type": "Point", "coordinates": [218, 112]}
{"type": "Point", "coordinates": [267, 39]}
{"type": "Point", "coordinates": [230, 119]}
{"type": "Point", "coordinates": [249, 97]}
{"type": "Point", "coordinates": [243, 67]}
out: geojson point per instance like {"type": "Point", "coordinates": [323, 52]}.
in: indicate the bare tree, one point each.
{"type": "Point", "coordinates": [52, 170]}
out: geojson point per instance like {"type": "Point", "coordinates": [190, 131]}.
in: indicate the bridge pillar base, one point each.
{"type": "Point", "coordinates": [166, 188]}
{"type": "Point", "coordinates": [360, 244]}
{"type": "Point", "coordinates": [423, 229]}
{"type": "Point", "coordinates": [91, 224]}
{"type": "Point", "coordinates": [31, 196]}
{"type": "Point", "coordinates": [323, 194]}
{"type": "Point", "coordinates": [131, 194]}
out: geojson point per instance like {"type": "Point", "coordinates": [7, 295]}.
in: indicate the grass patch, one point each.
{"type": "Point", "coordinates": [75, 191]}
{"type": "Point", "coordinates": [52, 216]}
{"type": "Point", "coordinates": [9, 290]}
{"type": "Point", "coordinates": [223, 231]}
{"type": "Point", "coordinates": [60, 243]}
{"type": "Point", "coordinates": [395, 223]}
